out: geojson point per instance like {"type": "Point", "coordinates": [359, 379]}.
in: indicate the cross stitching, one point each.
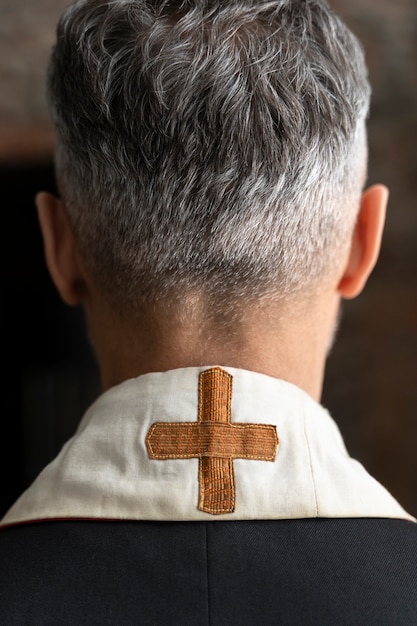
{"type": "Point", "coordinates": [215, 441]}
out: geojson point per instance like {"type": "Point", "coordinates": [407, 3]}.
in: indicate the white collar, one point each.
{"type": "Point", "coordinates": [104, 471]}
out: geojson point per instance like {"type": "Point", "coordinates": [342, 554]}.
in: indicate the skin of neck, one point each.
{"type": "Point", "coordinates": [289, 340]}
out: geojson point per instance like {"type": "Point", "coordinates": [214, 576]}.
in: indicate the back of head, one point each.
{"type": "Point", "coordinates": [208, 146]}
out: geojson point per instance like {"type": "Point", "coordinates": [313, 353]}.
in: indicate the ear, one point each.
{"type": "Point", "coordinates": [366, 241]}
{"type": "Point", "coordinates": [59, 248]}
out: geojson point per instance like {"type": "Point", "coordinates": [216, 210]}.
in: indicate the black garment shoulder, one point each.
{"type": "Point", "coordinates": [321, 572]}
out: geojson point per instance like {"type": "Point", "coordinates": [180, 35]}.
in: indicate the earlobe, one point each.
{"type": "Point", "coordinates": [59, 248]}
{"type": "Point", "coordinates": [366, 241]}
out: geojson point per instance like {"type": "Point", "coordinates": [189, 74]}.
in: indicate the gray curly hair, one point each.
{"type": "Point", "coordinates": [208, 145]}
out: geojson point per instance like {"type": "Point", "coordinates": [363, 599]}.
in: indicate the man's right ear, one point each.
{"type": "Point", "coordinates": [366, 241]}
{"type": "Point", "coordinates": [60, 251]}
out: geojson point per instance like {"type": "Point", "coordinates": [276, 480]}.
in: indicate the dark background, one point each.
{"type": "Point", "coordinates": [49, 372]}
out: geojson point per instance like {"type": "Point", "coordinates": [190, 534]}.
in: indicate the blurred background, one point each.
{"type": "Point", "coordinates": [50, 374]}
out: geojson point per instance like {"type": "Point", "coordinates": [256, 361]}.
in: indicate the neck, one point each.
{"type": "Point", "coordinates": [288, 342]}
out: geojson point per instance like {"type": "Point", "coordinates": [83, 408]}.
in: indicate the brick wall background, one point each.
{"type": "Point", "coordinates": [371, 381]}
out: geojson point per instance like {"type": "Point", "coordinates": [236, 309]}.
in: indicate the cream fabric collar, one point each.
{"type": "Point", "coordinates": [105, 471]}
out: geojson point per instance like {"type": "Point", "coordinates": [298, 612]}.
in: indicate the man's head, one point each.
{"type": "Point", "coordinates": [209, 147]}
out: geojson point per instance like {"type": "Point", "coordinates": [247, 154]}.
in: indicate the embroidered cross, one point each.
{"type": "Point", "coordinates": [215, 441]}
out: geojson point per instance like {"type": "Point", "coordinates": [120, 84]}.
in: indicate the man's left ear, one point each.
{"type": "Point", "coordinates": [366, 241]}
{"type": "Point", "coordinates": [60, 250]}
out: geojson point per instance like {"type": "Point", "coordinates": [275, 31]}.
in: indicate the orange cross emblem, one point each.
{"type": "Point", "coordinates": [215, 440]}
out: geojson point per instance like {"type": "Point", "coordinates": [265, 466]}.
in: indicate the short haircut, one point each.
{"type": "Point", "coordinates": [208, 145]}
